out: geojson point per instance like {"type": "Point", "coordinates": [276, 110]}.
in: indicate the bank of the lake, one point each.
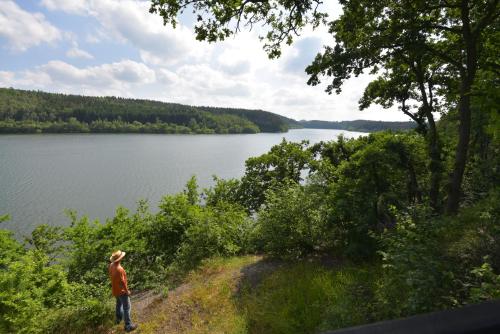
{"type": "Point", "coordinates": [42, 175]}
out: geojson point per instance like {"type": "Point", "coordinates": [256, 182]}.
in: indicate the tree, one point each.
{"type": "Point", "coordinates": [409, 74]}
{"type": "Point", "coordinates": [440, 34]}
{"type": "Point", "coordinates": [284, 162]}
{"type": "Point", "coordinates": [431, 37]}
{"type": "Point", "coordinates": [217, 20]}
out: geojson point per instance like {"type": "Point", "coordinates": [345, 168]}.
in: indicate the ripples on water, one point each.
{"type": "Point", "coordinates": [41, 175]}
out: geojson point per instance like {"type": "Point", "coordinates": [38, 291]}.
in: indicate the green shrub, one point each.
{"type": "Point", "coordinates": [224, 191]}
{"type": "Point", "coordinates": [434, 263]}
{"type": "Point", "coordinates": [31, 290]}
{"type": "Point", "coordinates": [85, 315]}
{"type": "Point", "coordinates": [89, 245]}
{"type": "Point", "coordinates": [284, 162]}
{"type": "Point", "coordinates": [484, 284]}
{"type": "Point", "coordinates": [10, 249]}
{"type": "Point", "coordinates": [165, 233]}
{"type": "Point", "coordinates": [223, 230]}
{"type": "Point", "coordinates": [291, 224]}
{"type": "Point", "coordinates": [378, 178]}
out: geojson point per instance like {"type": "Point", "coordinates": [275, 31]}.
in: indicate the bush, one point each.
{"type": "Point", "coordinates": [284, 162]}
{"type": "Point", "coordinates": [436, 263]}
{"type": "Point", "coordinates": [223, 230]}
{"type": "Point", "coordinates": [35, 294]}
{"type": "Point", "coordinates": [224, 191]}
{"type": "Point", "coordinates": [291, 224]}
{"type": "Point", "coordinates": [378, 178]}
{"type": "Point", "coordinates": [10, 249]}
{"type": "Point", "coordinates": [89, 245]}
{"type": "Point", "coordinates": [85, 315]}
{"type": "Point", "coordinates": [166, 232]}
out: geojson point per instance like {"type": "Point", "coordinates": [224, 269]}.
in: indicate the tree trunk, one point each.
{"type": "Point", "coordinates": [434, 147]}
{"type": "Point", "coordinates": [467, 77]}
{"type": "Point", "coordinates": [435, 165]}
{"type": "Point", "coordinates": [414, 193]}
{"type": "Point", "coordinates": [454, 190]}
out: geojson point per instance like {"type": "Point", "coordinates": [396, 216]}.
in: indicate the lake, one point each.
{"type": "Point", "coordinates": [42, 175]}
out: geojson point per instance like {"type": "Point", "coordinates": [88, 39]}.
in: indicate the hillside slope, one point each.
{"type": "Point", "coordinates": [253, 295]}
{"type": "Point", "coordinates": [20, 110]}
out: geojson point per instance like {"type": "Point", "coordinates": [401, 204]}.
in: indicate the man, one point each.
{"type": "Point", "coordinates": [120, 290]}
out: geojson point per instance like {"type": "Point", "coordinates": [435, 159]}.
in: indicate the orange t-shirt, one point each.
{"type": "Point", "coordinates": [118, 279]}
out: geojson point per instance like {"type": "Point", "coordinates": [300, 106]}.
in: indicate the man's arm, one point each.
{"type": "Point", "coordinates": [123, 277]}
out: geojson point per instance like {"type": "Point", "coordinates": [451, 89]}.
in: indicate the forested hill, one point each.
{"type": "Point", "coordinates": [35, 111]}
{"type": "Point", "coordinates": [358, 125]}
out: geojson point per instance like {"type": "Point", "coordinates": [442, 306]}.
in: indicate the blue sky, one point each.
{"type": "Point", "coordinates": [116, 47]}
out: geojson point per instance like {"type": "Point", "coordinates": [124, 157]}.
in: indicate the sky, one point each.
{"type": "Point", "coordinates": [117, 48]}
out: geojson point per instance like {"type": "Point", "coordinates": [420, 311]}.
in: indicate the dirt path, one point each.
{"type": "Point", "coordinates": [189, 304]}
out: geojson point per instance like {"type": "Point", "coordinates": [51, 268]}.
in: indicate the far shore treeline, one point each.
{"type": "Point", "coordinates": [359, 125]}
{"type": "Point", "coordinates": [37, 112]}
{"type": "Point", "coordinates": [40, 112]}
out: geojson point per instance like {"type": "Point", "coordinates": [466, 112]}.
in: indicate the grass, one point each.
{"type": "Point", "coordinates": [215, 299]}
{"type": "Point", "coordinates": [223, 296]}
{"type": "Point", "coordinates": [306, 297]}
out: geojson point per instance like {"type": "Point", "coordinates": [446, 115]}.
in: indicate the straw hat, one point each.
{"type": "Point", "coordinates": [117, 256]}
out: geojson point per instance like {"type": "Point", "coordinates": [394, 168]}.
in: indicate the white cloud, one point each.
{"type": "Point", "coordinates": [124, 72]}
{"type": "Point", "coordinates": [68, 6]}
{"type": "Point", "coordinates": [6, 78]}
{"type": "Point", "coordinates": [231, 61]}
{"type": "Point", "coordinates": [23, 29]}
{"type": "Point", "coordinates": [203, 80]}
{"type": "Point", "coordinates": [166, 77]}
{"type": "Point", "coordinates": [76, 52]}
{"type": "Point", "coordinates": [129, 21]}
{"type": "Point", "coordinates": [174, 67]}
{"type": "Point", "coordinates": [117, 78]}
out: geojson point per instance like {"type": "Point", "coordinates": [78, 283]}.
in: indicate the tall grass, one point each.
{"type": "Point", "coordinates": [306, 298]}
{"type": "Point", "coordinates": [299, 297]}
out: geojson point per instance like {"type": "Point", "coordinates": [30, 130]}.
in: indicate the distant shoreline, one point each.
{"type": "Point", "coordinates": [359, 125]}
{"type": "Point", "coordinates": [74, 126]}
{"type": "Point", "coordinates": [24, 111]}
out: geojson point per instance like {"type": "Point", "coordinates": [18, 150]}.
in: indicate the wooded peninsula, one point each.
{"type": "Point", "coordinates": [40, 112]}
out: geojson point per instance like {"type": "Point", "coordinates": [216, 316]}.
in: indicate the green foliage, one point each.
{"type": "Point", "coordinates": [10, 249]}
{"type": "Point", "coordinates": [39, 112]}
{"type": "Point", "coordinates": [33, 292]}
{"type": "Point", "coordinates": [224, 191]}
{"type": "Point", "coordinates": [221, 231]}
{"type": "Point", "coordinates": [217, 21]}
{"type": "Point", "coordinates": [307, 298]}
{"type": "Point", "coordinates": [484, 284]}
{"type": "Point", "coordinates": [291, 224]}
{"type": "Point", "coordinates": [283, 162]}
{"type": "Point", "coordinates": [183, 232]}
{"type": "Point", "coordinates": [89, 316]}
{"type": "Point", "coordinates": [166, 232]}
{"type": "Point", "coordinates": [360, 197]}
{"type": "Point", "coordinates": [91, 243]}
{"type": "Point", "coordinates": [378, 176]}
{"type": "Point", "coordinates": [435, 263]}
{"type": "Point", "coordinates": [47, 239]}
{"type": "Point", "coordinates": [191, 191]}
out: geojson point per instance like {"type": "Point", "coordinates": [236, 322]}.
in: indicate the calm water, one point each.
{"type": "Point", "coordinates": [41, 175]}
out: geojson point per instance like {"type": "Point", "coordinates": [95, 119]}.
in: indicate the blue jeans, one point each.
{"type": "Point", "coordinates": [123, 310]}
